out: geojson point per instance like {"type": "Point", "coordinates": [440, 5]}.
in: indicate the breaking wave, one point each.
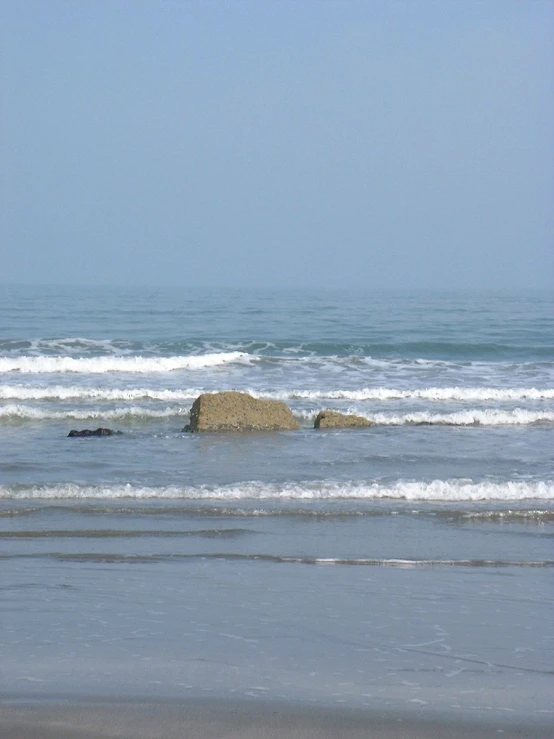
{"type": "Point", "coordinates": [136, 364]}
{"type": "Point", "coordinates": [60, 392]}
{"type": "Point", "coordinates": [486, 417]}
{"type": "Point", "coordinates": [435, 490]}
{"type": "Point", "coordinates": [26, 413]}
{"type": "Point", "coordinates": [463, 394]}
{"type": "Point", "coordinates": [473, 417]}
{"type": "Point", "coordinates": [431, 393]}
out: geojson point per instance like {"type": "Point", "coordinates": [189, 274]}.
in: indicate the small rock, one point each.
{"type": "Point", "coordinates": [336, 420]}
{"type": "Point", "coordinates": [96, 432]}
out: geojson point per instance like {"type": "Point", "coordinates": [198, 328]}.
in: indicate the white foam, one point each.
{"type": "Point", "coordinates": [487, 417]}
{"type": "Point", "coordinates": [470, 417]}
{"type": "Point", "coordinates": [23, 412]}
{"type": "Point", "coordinates": [62, 392]}
{"type": "Point", "coordinates": [413, 490]}
{"type": "Point", "coordinates": [68, 392]}
{"type": "Point", "coordinates": [95, 365]}
{"type": "Point", "coordinates": [431, 393]}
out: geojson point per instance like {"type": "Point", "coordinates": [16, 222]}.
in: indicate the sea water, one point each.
{"type": "Point", "coordinates": [409, 563]}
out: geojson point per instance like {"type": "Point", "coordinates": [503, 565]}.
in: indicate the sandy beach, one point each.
{"type": "Point", "coordinates": [245, 720]}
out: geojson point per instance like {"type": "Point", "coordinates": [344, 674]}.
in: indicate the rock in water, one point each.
{"type": "Point", "coordinates": [96, 432]}
{"type": "Point", "coordinates": [233, 411]}
{"type": "Point", "coordinates": [336, 420]}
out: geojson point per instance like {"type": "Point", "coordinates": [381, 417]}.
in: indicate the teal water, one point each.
{"type": "Point", "coordinates": [408, 563]}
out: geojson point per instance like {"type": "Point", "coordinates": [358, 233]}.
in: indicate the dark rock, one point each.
{"type": "Point", "coordinates": [233, 411]}
{"type": "Point", "coordinates": [336, 420]}
{"type": "Point", "coordinates": [96, 432]}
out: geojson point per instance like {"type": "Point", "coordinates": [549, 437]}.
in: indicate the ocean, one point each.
{"type": "Point", "coordinates": [408, 564]}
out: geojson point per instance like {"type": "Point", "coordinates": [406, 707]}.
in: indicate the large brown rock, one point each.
{"type": "Point", "coordinates": [232, 411]}
{"type": "Point", "coordinates": [336, 420]}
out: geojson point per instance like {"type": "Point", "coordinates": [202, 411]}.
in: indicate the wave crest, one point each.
{"type": "Point", "coordinates": [431, 393]}
{"type": "Point", "coordinates": [26, 413]}
{"type": "Point", "coordinates": [136, 364]}
{"type": "Point", "coordinates": [68, 392]}
{"type": "Point", "coordinates": [61, 392]}
{"type": "Point", "coordinates": [412, 490]}
{"type": "Point", "coordinates": [471, 417]}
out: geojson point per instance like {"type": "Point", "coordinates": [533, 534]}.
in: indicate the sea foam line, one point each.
{"type": "Point", "coordinates": [27, 413]}
{"type": "Point", "coordinates": [413, 490]}
{"type": "Point", "coordinates": [470, 417]}
{"type": "Point", "coordinates": [62, 392]}
{"type": "Point", "coordinates": [474, 417]}
{"type": "Point", "coordinates": [137, 364]}
{"type": "Point", "coordinates": [431, 393]}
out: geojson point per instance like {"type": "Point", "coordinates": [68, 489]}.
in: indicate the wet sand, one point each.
{"type": "Point", "coordinates": [202, 719]}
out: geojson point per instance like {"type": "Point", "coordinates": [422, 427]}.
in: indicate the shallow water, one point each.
{"type": "Point", "coordinates": [405, 564]}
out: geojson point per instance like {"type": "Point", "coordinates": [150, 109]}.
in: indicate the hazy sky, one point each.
{"type": "Point", "coordinates": [273, 142]}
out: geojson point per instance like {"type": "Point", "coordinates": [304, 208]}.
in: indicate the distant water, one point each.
{"type": "Point", "coordinates": [163, 563]}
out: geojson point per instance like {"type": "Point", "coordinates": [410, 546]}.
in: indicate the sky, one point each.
{"type": "Point", "coordinates": [278, 143]}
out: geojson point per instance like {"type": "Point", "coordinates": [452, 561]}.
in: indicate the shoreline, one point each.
{"type": "Point", "coordinates": [210, 718]}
